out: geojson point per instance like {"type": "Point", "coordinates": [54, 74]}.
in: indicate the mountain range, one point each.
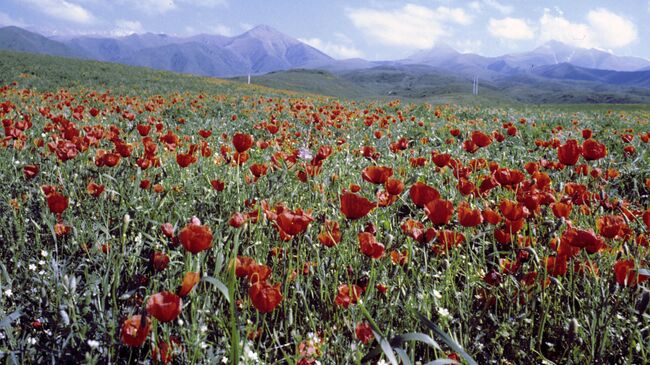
{"type": "Point", "coordinates": [263, 49]}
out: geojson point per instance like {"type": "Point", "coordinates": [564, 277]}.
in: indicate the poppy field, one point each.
{"type": "Point", "coordinates": [255, 228]}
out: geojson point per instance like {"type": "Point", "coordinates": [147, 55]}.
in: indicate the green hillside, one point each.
{"type": "Point", "coordinates": [412, 84]}
{"type": "Point", "coordinates": [51, 73]}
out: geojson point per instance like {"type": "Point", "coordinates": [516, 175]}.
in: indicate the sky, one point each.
{"type": "Point", "coordinates": [374, 30]}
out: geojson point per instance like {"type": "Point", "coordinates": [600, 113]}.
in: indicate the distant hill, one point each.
{"type": "Point", "coordinates": [18, 39]}
{"type": "Point", "coordinates": [567, 71]}
{"type": "Point", "coordinates": [257, 51]}
{"type": "Point", "coordinates": [412, 83]}
{"type": "Point", "coordinates": [426, 83]}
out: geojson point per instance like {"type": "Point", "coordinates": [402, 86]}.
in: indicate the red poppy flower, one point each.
{"type": "Point", "coordinates": [440, 159]}
{"type": "Point", "coordinates": [237, 220]}
{"type": "Point", "coordinates": [143, 129]}
{"type": "Point", "coordinates": [57, 203]}
{"type": "Point", "coordinates": [259, 272]}
{"type": "Point", "coordinates": [293, 223]}
{"type": "Point", "coordinates": [556, 265]}
{"type": "Point", "coordinates": [593, 150]}
{"type": "Point", "coordinates": [369, 245]}
{"type": "Point", "coordinates": [189, 281]}
{"type": "Point", "coordinates": [242, 142]}
{"type": "Point", "coordinates": [185, 159]}
{"type": "Point", "coordinates": [330, 235]}
{"type": "Point", "coordinates": [196, 238]}
{"type": "Point", "coordinates": [447, 239]}
{"type": "Point", "coordinates": [354, 206]}
{"type": "Point", "coordinates": [205, 133]}
{"type": "Point", "coordinates": [399, 258]}
{"type": "Point", "coordinates": [611, 226]}
{"type": "Point", "coordinates": [581, 238]}
{"type": "Point", "coordinates": [512, 210]}
{"type": "Point", "coordinates": [569, 153]}
{"type": "Point", "coordinates": [376, 174]}
{"type": "Point", "coordinates": [561, 210]}
{"type": "Point", "coordinates": [491, 216]}
{"type": "Point", "coordinates": [626, 275]}
{"type": "Point", "coordinates": [30, 171]}
{"type": "Point", "coordinates": [164, 306]}
{"type": "Point", "coordinates": [159, 261]}
{"type": "Point", "coordinates": [394, 186]}
{"type": "Point", "coordinates": [258, 169]}
{"type": "Point", "coordinates": [439, 211]}
{"type": "Point", "coordinates": [265, 297]}
{"type": "Point", "coordinates": [243, 266]}
{"type": "Point", "coordinates": [95, 189]}
{"type": "Point", "coordinates": [481, 139]}
{"type": "Point", "coordinates": [364, 332]}
{"type": "Point", "coordinates": [421, 194]}
{"type": "Point", "coordinates": [218, 185]}
{"type": "Point", "coordinates": [348, 294]}
{"type": "Point", "coordinates": [135, 331]}
{"type": "Point", "coordinates": [167, 229]}
{"type": "Point", "coordinates": [468, 217]}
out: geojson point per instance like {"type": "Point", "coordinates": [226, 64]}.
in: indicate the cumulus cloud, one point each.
{"type": "Point", "coordinates": [603, 29]}
{"type": "Point", "coordinates": [338, 51]}
{"type": "Point", "coordinates": [413, 26]}
{"type": "Point", "coordinates": [63, 9]}
{"type": "Point", "coordinates": [510, 28]}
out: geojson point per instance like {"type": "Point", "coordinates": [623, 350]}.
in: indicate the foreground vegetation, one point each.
{"type": "Point", "coordinates": [220, 222]}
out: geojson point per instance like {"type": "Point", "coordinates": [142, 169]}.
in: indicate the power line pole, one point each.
{"type": "Point", "coordinates": [475, 86]}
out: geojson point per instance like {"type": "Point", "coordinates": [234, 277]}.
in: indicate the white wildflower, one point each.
{"type": "Point", "coordinates": [443, 312]}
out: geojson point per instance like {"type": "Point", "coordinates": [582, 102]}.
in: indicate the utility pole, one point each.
{"type": "Point", "coordinates": [475, 86]}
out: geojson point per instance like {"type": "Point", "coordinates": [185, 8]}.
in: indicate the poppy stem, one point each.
{"type": "Point", "coordinates": [232, 282]}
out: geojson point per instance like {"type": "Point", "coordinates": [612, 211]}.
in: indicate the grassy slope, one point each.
{"type": "Point", "coordinates": [51, 73]}
{"type": "Point", "coordinates": [48, 73]}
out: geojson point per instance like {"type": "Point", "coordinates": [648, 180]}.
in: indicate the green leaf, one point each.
{"type": "Point", "coordinates": [219, 284]}
{"type": "Point", "coordinates": [442, 362]}
{"type": "Point", "coordinates": [446, 339]}
{"type": "Point", "coordinates": [415, 336]}
{"type": "Point", "coordinates": [403, 356]}
{"type": "Point", "coordinates": [6, 321]}
{"type": "Point", "coordinates": [386, 348]}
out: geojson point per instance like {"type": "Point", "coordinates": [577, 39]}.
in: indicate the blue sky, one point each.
{"type": "Point", "coordinates": [376, 29]}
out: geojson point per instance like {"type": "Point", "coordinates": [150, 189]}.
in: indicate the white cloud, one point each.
{"type": "Point", "coordinates": [338, 51]}
{"type": "Point", "coordinates": [503, 9]}
{"type": "Point", "coordinates": [151, 6]}
{"type": "Point", "coordinates": [6, 20]}
{"type": "Point", "coordinates": [510, 28]}
{"type": "Point", "coordinates": [603, 29]}
{"type": "Point", "coordinates": [164, 6]}
{"type": "Point", "coordinates": [63, 9]}
{"type": "Point", "coordinates": [412, 26]}
{"type": "Point", "coordinates": [246, 26]}
{"type": "Point", "coordinates": [480, 5]}
{"type": "Point", "coordinates": [611, 30]}
{"type": "Point", "coordinates": [468, 46]}
{"type": "Point", "coordinates": [222, 30]}
{"type": "Point", "coordinates": [127, 27]}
